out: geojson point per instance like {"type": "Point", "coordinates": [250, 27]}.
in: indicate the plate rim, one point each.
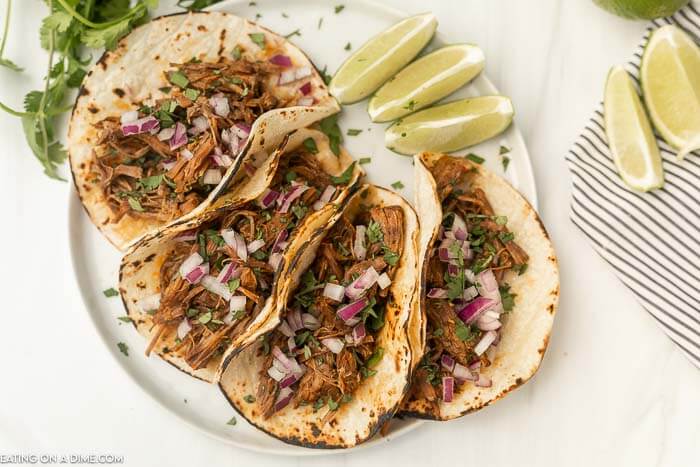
{"type": "Point", "coordinates": [76, 209]}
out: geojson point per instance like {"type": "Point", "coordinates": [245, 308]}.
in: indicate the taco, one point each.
{"type": "Point", "coordinates": [162, 121]}
{"type": "Point", "coordinates": [336, 365]}
{"type": "Point", "coordinates": [203, 286]}
{"type": "Point", "coordinates": [489, 289]}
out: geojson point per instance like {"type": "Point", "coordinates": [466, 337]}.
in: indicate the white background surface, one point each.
{"type": "Point", "coordinates": [612, 390]}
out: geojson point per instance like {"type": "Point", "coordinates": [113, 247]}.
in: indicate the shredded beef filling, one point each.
{"type": "Point", "coordinates": [329, 374]}
{"type": "Point", "coordinates": [489, 248]}
{"type": "Point", "coordinates": [211, 318]}
{"type": "Point", "coordinates": [145, 176]}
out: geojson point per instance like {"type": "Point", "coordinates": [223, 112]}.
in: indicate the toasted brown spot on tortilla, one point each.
{"type": "Point", "coordinates": [136, 263]}
{"type": "Point", "coordinates": [551, 308]}
{"type": "Point", "coordinates": [119, 92]}
{"type": "Point", "coordinates": [315, 430]}
{"type": "Point", "coordinates": [141, 284]}
{"type": "Point", "coordinates": [201, 27]}
{"type": "Point", "coordinates": [93, 109]}
{"type": "Point", "coordinates": [83, 91]}
{"type": "Point", "coordinates": [149, 258]}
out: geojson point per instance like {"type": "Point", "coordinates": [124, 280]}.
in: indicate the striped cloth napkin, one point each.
{"type": "Point", "coordinates": [652, 240]}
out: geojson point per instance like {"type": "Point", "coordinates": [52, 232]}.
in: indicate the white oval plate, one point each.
{"type": "Point", "coordinates": [96, 262]}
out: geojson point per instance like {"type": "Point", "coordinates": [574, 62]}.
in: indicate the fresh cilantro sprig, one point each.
{"type": "Point", "coordinates": [70, 28]}
{"type": "Point", "coordinates": [7, 63]}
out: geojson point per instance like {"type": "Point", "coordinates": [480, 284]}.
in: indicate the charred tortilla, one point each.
{"type": "Point", "coordinates": [489, 289]}
{"type": "Point", "coordinates": [335, 363]}
{"type": "Point", "coordinates": [162, 122]}
{"type": "Point", "coordinates": [203, 287]}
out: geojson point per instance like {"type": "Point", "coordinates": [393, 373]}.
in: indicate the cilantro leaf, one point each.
{"type": "Point", "coordinates": [397, 185]}
{"type": "Point", "coordinates": [111, 292]}
{"type": "Point", "coordinates": [310, 145]}
{"type": "Point", "coordinates": [123, 348]}
{"type": "Point", "coordinates": [505, 161]}
{"type": "Point", "coordinates": [354, 132]}
{"type": "Point", "coordinates": [329, 126]}
{"type": "Point", "coordinates": [345, 177]}
{"type": "Point", "coordinates": [258, 38]}
{"type": "Point", "coordinates": [507, 298]}
{"type": "Point", "coordinates": [232, 422]}
{"type": "Point", "coordinates": [475, 158]}
{"type": "Point", "coordinates": [365, 160]}
{"type": "Point", "coordinates": [339, 8]}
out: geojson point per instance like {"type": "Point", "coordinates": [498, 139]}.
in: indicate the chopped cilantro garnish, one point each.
{"type": "Point", "coordinates": [503, 150]}
{"type": "Point", "coordinates": [135, 204]}
{"type": "Point", "coordinates": [354, 132]}
{"type": "Point", "coordinates": [339, 8]}
{"type": "Point", "coordinates": [411, 105]}
{"type": "Point", "coordinates": [191, 94]}
{"type": "Point", "coordinates": [249, 398]}
{"type": "Point", "coordinates": [320, 22]}
{"type": "Point", "coordinates": [151, 183]}
{"type": "Point", "coordinates": [475, 158]}
{"type": "Point", "coordinates": [258, 38]}
{"type": "Point", "coordinates": [324, 74]}
{"type": "Point", "coordinates": [125, 319]}
{"type": "Point", "coordinates": [505, 237]}
{"type": "Point", "coordinates": [232, 421]}
{"type": "Point", "coordinates": [123, 348]}
{"type": "Point", "coordinates": [397, 185]}
{"type": "Point", "coordinates": [390, 257]}
{"type": "Point", "coordinates": [205, 318]}
{"type": "Point", "coordinates": [165, 89]}
{"type": "Point", "coordinates": [290, 176]}
{"type": "Point", "coordinates": [333, 405]}
{"type": "Point", "coordinates": [111, 292]}
{"type": "Point", "coordinates": [505, 161]}
{"type": "Point", "coordinates": [375, 358]}
{"type": "Point", "coordinates": [179, 79]}
{"type": "Point", "coordinates": [299, 211]}
{"type": "Point", "coordinates": [329, 126]}
{"type": "Point", "coordinates": [464, 332]}
{"type": "Point", "coordinates": [520, 269]}
{"type": "Point", "coordinates": [374, 232]}
{"type": "Point", "coordinates": [348, 46]}
{"type": "Point", "coordinates": [310, 145]}
{"type": "Point", "coordinates": [345, 177]}
{"type": "Point", "coordinates": [296, 32]}
{"type": "Point", "coordinates": [233, 284]}
{"type": "Point", "coordinates": [501, 220]}
{"type": "Point", "coordinates": [236, 53]}
{"type": "Point", "coordinates": [507, 298]}
{"type": "Point", "coordinates": [365, 160]}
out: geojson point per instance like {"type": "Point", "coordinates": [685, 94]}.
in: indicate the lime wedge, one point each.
{"type": "Point", "coordinates": [382, 57]}
{"type": "Point", "coordinates": [671, 87]}
{"type": "Point", "coordinates": [451, 126]}
{"type": "Point", "coordinates": [427, 80]}
{"type": "Point", "coordinates": [630, 137]}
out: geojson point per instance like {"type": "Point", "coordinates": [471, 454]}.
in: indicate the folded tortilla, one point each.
{"type": "Point", "coordinates": [358, 415]}
{"type": "Point", "coordinates": [141, 268]}
{"type": "Point", "coordinates": [138, 72]}
{"type": "Point", "coordinates": [523, 337]}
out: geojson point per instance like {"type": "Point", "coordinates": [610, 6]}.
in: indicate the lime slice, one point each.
{"type": "Point", "coordinates": [641, 9]}
{"type": "Point", "coordinates": [630, 137]}
{"type": "Point", "coordinates": [382, 57]}
{"type": "Point", "coordinates": [451, 126]}
{"type": "Point", "coordinates": [671, 87]}
{"type": "Point", "coordinates": [427, 80]}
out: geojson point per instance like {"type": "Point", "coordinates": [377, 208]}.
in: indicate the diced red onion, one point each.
{"type": "Point", "coordinates": [149, 303]}
{"type": "Point", "coordinates": [166, 133]}
{"type": "Point", "coordinates": [306, 88]}
{"type": "Point", "coordinates": [302, 72]}
{"type": "Point", "coordinates": [197, 274]}
{"type": "Point", "coordinates": [469, 293]}
{"type": "Point", "coordinates": [305, 101]}
{"type": "Point", "coordinates": [490, 315]}
{"type": "Point", "coordinates": [294, 320]}
{"type": "Point", "coordinates": [183, 328]}
{"type": "Point", "coordinates": [447, 362]}
{"type": "Point", "coordinates": [448, 386]}
{"type": "Point", "coordinates": [459, 227]}
{"type": "Point", "coordinates": [288, 380]}
{"type": "Point", "coordinates": [268, 198]}
{"type": "Point", "coordinates": [237, 303]}
{"type": "Point", "coordinates": [281, 60]}
{"type": "Point", "coordinates": [235, 241]}
{"type": "Point", "coordinates": [275, 260]}
{"type": "Point", "coordinates": [280, 243]}
{"type": "Point", "coordinates": [487, 286]}
{"type": "Point", "coordinates": [187, 154]}
{"type": "Point", "coordinates": [310, 321]}
{"type": "Point", "coordinates": [353, 321]}
{"type": "Point", "coordinates": [452, 269]}
{"type": "Point", "coordinates": [228, 272]}
{"type": "Point", "coordinates": [214, 286]}
{"type": "Point", "coordinates": [359, 332]}
{"type": "Point", "coordinates": [437, 293]}
{"type": "Point", "coordinates": [483, 381]}
{"type": "Point", "coordinates": [285, 329]}
{"type": "Point", "coordinates": [200, 124]}
{"type": "Point", "coordinates": [488, 325]}
{"type": "Point", "coordinates": [211, 177]}
{"type": "Point", "coordinates": [283, 359]}
{"type": "Point", "coordinates": [179, 137]}
{"type": "Point", "coordinates": [249, 168]}
{"type": "Point", "coordinates": [348, 312]}
{"type": "Point", "coordinates": [461, 372]}
{"type": "Point", "coordinates": [220, 104]}
{"type": "Point", "coordinates": [275, 374]}
{"type": "Point", "coordinates": [190, 263]}
{"type": "Point", "coordinates": [486, 340]}
{"type": "Point", "coordinates": [142, 125]}
{"type": "Point", "coordinates": [472, 310]}
{"type": "Point", "coordinates": [334, 291]}
{"type": "Point", "coordinates": [334, 344]}
{"type": "Point", "coordinates": [475, 365]}
{"type": "Point", "coordinates": [242, 130]}
{"type": "Point", "coordinates": [255, 245]}
{"type": "Point", "coordinates": [383, 281]}
{"type": "Point", "coordinates": [359, 249]}
{"type": "Point", "coordinates": [283, 398]}
{"type": "Point", "coordinates": [491, 351]}
{"type": "Point", "coordinates": [291, 196]}
{"type": "Point", "coordinates": [129, 117]}
{"type": "Point", "coordinates": [286, 77]}
{"type": "Point", "coordinates": [325, 197]}
{"type": "Point", "coordinates": [222, 160]}
{"type": "Point", "coordinates": [360, 285]}
{"type": "Point", "coordinates": [291, 344]}
{"type": "Point", "coordinates": [169, 164]}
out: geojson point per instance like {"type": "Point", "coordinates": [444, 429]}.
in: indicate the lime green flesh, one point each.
{"type": "Point", "coordinates": [425, 81]}
{"type": "Point", "coordinates": [382, 57]}
{"type": "Point", "coordinates": [451, 126]}
{"type": "Point", "coordinates": [629, 133]}
{"type": "Point", "coordinates": [671, 85]}
{"type": "Point", "coordinates": [641, 9]}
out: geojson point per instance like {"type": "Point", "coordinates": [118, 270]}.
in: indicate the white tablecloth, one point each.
{"type": "Point", "coordinates": [612, 390]}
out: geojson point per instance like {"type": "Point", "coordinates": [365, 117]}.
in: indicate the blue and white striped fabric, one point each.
{"type": "Point", "coordinates": [652, 240]}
